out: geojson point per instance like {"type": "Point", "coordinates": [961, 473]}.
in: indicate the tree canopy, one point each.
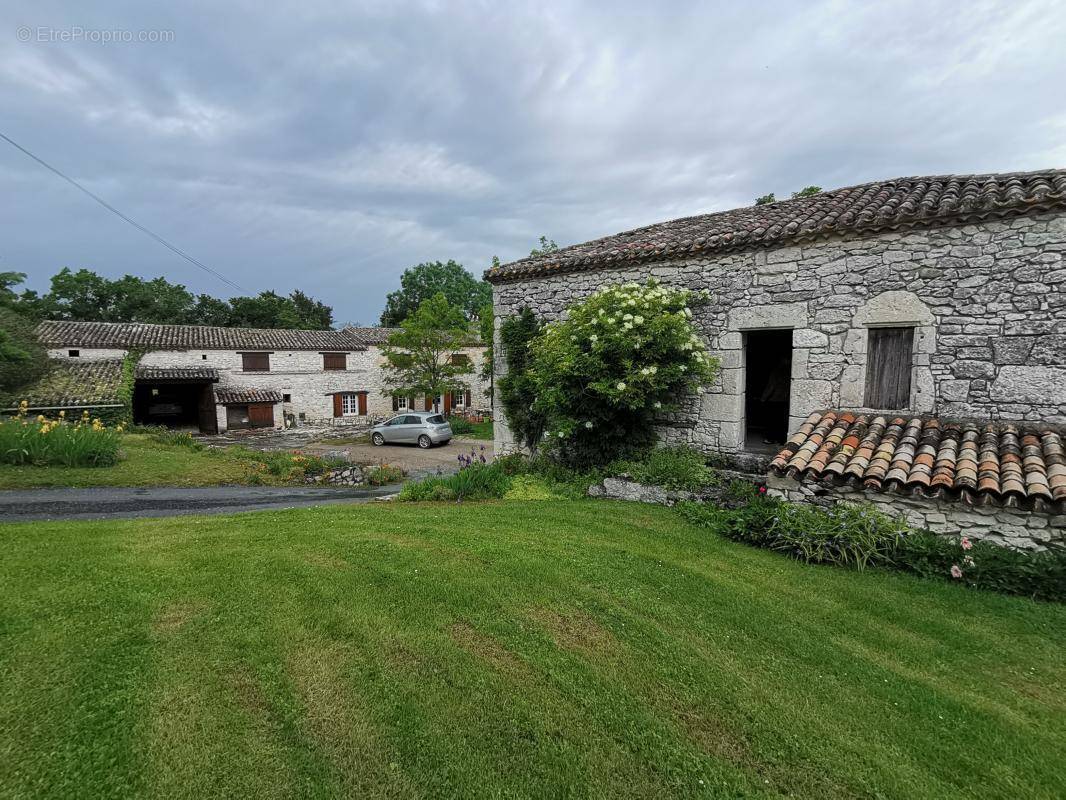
{"type": "Point", "coordinates": [22, 359]}
{"type": "Point", "coordinates": [419, 356]}
{"type": "Point", "coordinates": [422, 281]}
{"type": "Point", "coordinates": [89, 297]}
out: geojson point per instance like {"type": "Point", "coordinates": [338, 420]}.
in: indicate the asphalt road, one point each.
{"type": "Point", "coordinates": [26, 505]}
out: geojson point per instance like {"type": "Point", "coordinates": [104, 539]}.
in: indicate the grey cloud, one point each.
{"type": "Point", "coordinates": [328, 148]}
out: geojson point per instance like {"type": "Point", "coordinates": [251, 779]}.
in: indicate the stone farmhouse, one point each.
{"type": "Point", "coordinates": [214, 379]}
{"type": "Point", "coordinates": [898, 339]}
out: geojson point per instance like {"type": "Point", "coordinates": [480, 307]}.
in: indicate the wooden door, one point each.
{"type": "Point", "coordinates": [261, 415]}
{"type": "Point", "coordinates": [208, 421]}
{"type": "Point", "coordinates": [888, 368]}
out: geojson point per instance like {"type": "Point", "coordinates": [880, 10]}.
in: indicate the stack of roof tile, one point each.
{"type": "Point", "coordinates": [990, 462]}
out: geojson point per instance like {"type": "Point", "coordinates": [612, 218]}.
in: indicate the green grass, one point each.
{"type": "Point", "coordinates": [481, 430]}
{"type": "Point", "coordinates": [551, 649]}
{"type": "Point", "coordinates": [144, 462]}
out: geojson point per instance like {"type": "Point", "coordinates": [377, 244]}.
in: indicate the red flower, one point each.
{"type": "Point", "coordinates": [762, 490]}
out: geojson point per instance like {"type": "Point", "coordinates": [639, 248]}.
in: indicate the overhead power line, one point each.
{"type": "Point", "coordinates": [116, 212]}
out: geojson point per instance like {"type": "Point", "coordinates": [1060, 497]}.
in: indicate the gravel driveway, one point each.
{"type": "Point", "coordinates": [411, 458]}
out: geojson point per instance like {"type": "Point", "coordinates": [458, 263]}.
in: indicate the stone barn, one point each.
{"type": "Point", "coordinates": [917, 323]}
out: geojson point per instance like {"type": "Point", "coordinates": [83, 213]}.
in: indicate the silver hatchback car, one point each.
{"type": "Point", "coordinates": [424, 428]}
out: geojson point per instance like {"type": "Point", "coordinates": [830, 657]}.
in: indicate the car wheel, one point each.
{"type": "Point", "coordinates": [424, 442]}
{"type": "Point", "coordinates": [378, 439]}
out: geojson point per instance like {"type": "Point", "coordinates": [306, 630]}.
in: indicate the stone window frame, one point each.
{"type": "Point", "coordinates": [893, 309]}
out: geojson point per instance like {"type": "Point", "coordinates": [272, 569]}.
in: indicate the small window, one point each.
{"type": "Point", "coordinates": [436, 419]}
{"type": "Point", "coordinates": [888, 368]}
{"type": "Point", "coordinates": [460, 360]}
{"type": "Point", "coordinates": [256, 362]}
{"type": "Point", "coordinates": [73, 353]}
{"type": "Point", "coordinates": [334, 361]}
{"type": "Point", "coordinates": [401, 404]}
{"type": "Point", "coordinates": [395, 421]}
{"type": "Point", "coordinates": [349, 404]}
{"type": "Point", "coordinates": [286, 398]}
{"type": "Point", "coordinates": [411, 420]}
{"type": "Point", "coordinates": [204, 357]}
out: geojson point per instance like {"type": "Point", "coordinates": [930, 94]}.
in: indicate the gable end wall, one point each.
{"type": "Point", "coordinates": [988, 302]}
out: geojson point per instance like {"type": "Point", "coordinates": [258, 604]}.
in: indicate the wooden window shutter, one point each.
{"type": "Point", "coordinates": [362, 404]}
{"type": "Point", "coordinates": [255, 362]}
{"type": "Point", "coordinates": [338, 409]}
{"type": "Point", "coordinates": [466, 398]}
{"type": "Point", "coordinates": [395, 403]}
{"type": "Point", "coordinates": [334, 361]}
{"type": "Point", "coordinates": [888, 368]}
{"type": "Point", "coordinates": [447, 402]}
{"type": "Point", "coordinates": [429, 403]}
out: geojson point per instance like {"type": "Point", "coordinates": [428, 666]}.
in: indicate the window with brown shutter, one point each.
{"type": "Point", "coordinates": [334, 361]}
{"type": "Point", "coordinates": [256, 362]}
{"type": "Point", "coordinates": [888, 367]}
{"type": "Point", "coordinates": [459, 360]}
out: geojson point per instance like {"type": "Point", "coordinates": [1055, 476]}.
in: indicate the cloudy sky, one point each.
{"type": "Point", "coordinates": [328, 146]}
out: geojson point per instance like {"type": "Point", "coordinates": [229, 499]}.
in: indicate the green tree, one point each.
{"type": "Point", "coordinates": [806, 191]}
{"type": "Point", "coordinates": [419, 356]}
{"type": "Point", "coordinates": [211, 311]}
{"type": "Point", "coordinates": [423, 281]}
{"type": "Point", "coordinates": [486, 321]}
{"type": "Point", "coordinates": [518, 388]}
{"type": "Point", "coordinates": [86, 296]}
{"type": "Point", "coordinates": [22, 359]}
{"type": "Point", "coordinates": [765, 200]}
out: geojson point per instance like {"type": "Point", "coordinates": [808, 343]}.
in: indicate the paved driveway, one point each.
{"type": "Point", "coordinates": [27, 505]}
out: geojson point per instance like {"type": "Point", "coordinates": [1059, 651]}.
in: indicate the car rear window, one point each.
{"type": "Point", "coordinates": [436, 419]}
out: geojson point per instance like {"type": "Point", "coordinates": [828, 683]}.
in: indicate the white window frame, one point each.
{"type": "Point", "coordinates": [349, 404]}
{"type": "Point", "coordinates": [401, 404]}
{"type": "Point", "coordinates": [458, 398]}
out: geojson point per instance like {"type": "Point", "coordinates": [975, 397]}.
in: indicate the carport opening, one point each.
{"type": "Point", "coordinates": [182, 406]}
{"type": "Point", "coordinates": [768, 380]}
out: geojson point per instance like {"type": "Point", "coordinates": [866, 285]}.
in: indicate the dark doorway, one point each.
{"type": "Point", "coordinates": [175, 405]}
{"type": "Point", "coordinates": [768, 364]}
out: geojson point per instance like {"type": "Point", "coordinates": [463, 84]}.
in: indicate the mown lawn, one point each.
{"type": "Point", "coordinates": [537, 649]}
{"type": "Point", "coordinates": [144, 463]}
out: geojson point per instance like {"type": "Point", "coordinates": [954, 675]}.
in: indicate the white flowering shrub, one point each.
{"type": "Point", "coordinates": [621, 359]}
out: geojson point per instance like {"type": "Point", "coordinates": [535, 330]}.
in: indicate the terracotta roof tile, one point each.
{"type": "Point", "coordinates": [122, 335]}
{"type": "Point", "coordinates": [73, 383]}
{"type": "Point", "coordinates": [895, 204]}
{"type": "Point", "coordinates": [234, 396]}
{"type": "Point", "coordinates": [176, 373]}
{"type": "Point", "coordinates": [991, 462]}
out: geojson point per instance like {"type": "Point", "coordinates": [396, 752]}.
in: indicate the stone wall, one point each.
{"type": "Point", "coordinates": [298, 374]}
{"type": "Point", "coordinates": [988, 303]}
{"type": "Point", "coordinates": [1007, 527]}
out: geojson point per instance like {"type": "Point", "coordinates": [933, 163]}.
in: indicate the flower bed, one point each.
{"type": "Point", "coordinates": [83, 442]}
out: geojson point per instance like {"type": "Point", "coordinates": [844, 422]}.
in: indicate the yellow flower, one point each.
{"type": "Point", "coordinates": [118, 429]}
{"type": "Point", "coordinates": [62, 413]}
{"type": "Point", "coordinates": [40, 417]}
